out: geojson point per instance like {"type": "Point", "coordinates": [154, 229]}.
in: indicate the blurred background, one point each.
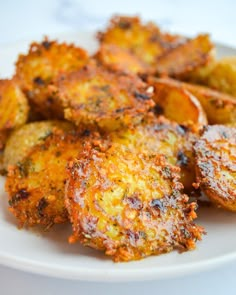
{"type": "Point", "coordinates": [27, 19]}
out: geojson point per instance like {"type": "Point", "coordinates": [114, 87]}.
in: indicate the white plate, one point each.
{"type": "Point", "coordinates": [50, 254]}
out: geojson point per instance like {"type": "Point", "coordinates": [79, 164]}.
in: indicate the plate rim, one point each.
{"type": "Point", "coordinates": [114, 275]}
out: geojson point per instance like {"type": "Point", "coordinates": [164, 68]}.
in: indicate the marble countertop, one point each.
{"type": "Point", "coordinates": [26, 20]}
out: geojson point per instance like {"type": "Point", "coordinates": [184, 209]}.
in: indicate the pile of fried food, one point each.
{"type": "Point", "coordinates": [115, 142]}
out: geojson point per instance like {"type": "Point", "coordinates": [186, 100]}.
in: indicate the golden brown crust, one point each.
{"type": "Point", "coordinates": [129, 204]}
{"type": "Point", "coordinates": [177, 103]}
{"type": "Point", "coordinates": [36, 184]}
{"type": "Point", "coordinates": [216, 165]}
{"type": "Point", "coordinates": [219, 75]}
{"type": "Point", "coordinates": [184, 59]}
{"type": "Point", "coordinates": [95, 96]}
{"type": "Point", "coordinates": [120, 59]}
{"type": "Point", "coordinates": [145, 41]}
{"type": "Point", "coordinates": [4, 135]}
{"type": "Point", "coordinates": [37, 69]}
{"type": "Point", "coordinates": [220, 108]}
{"type": "Point", "coordinates": [28, 136]}
{"type": "Point", "coordinates": [160, 136]}
{"type": "Point", "coordinates": [13, 109]}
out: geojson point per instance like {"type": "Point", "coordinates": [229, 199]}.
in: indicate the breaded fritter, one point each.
{"type": "Point", "coordinates": [160, 136]}
{"type": "Point", "coordinates": [95, 96]}
{"type": "Point", "coordinates": [120, 59]}
{"type": "Point", "coordinates": [13, 109]}
{"type": "Point", "coordinates": [36, 185]}
{"type": "Point", "coordinates": [182, 60]}
{"type": "Point", "coordinates": [216, 165]}
{"type": "Point", "coordinates": [145, 41]}
{"type": "Point", "coordinates": [23, 139]}
{"type": "Point", "coordinates": [37, 69]}
{"type": "Point", "coordinates": [129, 204]}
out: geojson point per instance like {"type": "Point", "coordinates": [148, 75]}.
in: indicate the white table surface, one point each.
{"type": "Point", "coordinates": [25, 19]}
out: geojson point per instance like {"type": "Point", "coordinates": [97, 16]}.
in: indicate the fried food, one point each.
{"type": "Point", "coordinates": [197, 76]}
{"type": "Point", "coordinates": [4, 134]}
{"type": "Point", "coordinates": [145, 41]}
{"type": "Point", "coordinates": [222, 76]}
{"type": "Point", "coordinates": [216, 165]}
{"type": "Point", "coordinates": [219, 75]}
{"type": "Point", "coordinates": [28, 136]}
{"type": "Point", "coordinates": [95, 96]}
{"type": "Point", "coordinates": [120, 59]}
{"type": "Point", "coordinates": [184, 59]}
{"type": "Point", "coordinates": [231, 124]}
{"type": "Point", "coordinates": [220, 108]}
{"type": "Point", "coordinates": [129, 204]}
{"type": "Point", "coordinates": [40, 66]}
{"type": "Point", "coordinates": [160, 136]}
{"type": "Point", "coordinates": [36, 185]}
{"type": "Point", "coordinates": [13, 109]}
{"type": "Point", "coordinates": [178, 104]}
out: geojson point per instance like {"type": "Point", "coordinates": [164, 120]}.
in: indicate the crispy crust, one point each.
{"type": "Point", "coordinates": [36, 185]}
{"type": "Point", "coordinates": [220, 108]}
{"type": "Point", "coordinates": [216, 165]}
{"type": "Point", "coordinates": [160, 136]}
{"type": "Point", "coordinates": [169, 98]}
{"type": "Point", "coordinates": [184, 59]}
{"type": "Point", "coordinates": [95, 96]}
{"type": "Point", "coordinates": [28, 136]}
{"type": "Point", "coordinates": [120, 59]}
{"type": "Point", "coordinates": [37, 69]}
{"type": "Point", "coordinates": [13, 109]}
{"type": "Point", "coordinates": [129, 204]}
{"type": "Point", "coordinates": [222, 75]}
{"type": "Point", "coordinates": [145, 41]}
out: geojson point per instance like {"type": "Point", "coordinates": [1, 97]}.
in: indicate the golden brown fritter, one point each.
{"type": "Point", "coordinates": [145, 41]}
{"type": "Point", "coordinates": [160, 136]}
{"type": "Point", "coordinates": [23, 139]}
{"type": "Point", "coordinates": [178, 104]}
{"type": "Point", "coordinates": [182, 60]}
{"type": "Point", "coordinates": [129, 204]}
{"type": "Point", "coordinates": [216, 165]}
{"type": "Point", "coordinates": [36, 185]}
{"type": "Point", "coordinates": [37, 69]}
{"type": "Point", "coordinates": [220, 108]}
{"type": "Point", "coordinates": [95, 96]}
{"type": "Point", "coordinates": [13, 109]}
{"type": "Point", "coordinates": [120, 59]}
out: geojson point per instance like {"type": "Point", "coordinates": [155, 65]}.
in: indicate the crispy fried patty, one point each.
{"type": "Point", "coordinates": [216, 165]}
{"type": "Point", "coordinates": [37, 69]}
{"type": "Point", "coordinates": [121, 59]}
{"type": "Point", "coordinates": [95, 96]}
{"type": "Point", "coordinates": [161, 136]}
{"type": "Point", "coordinates": [187, 57]}
{"type": "Point", "coordinates": [128, 204]}
{"type": "Point", "coordinates": [36, 184]}
{"type": "Point", "coordinates": [145, 41]}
